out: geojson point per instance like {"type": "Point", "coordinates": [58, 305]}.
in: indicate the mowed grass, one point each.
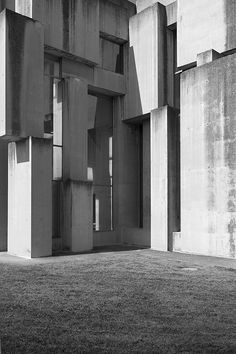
{"type": "Point", "coordinates": [137, 301]}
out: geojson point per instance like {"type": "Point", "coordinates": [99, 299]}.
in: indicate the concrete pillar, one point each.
{"type": "Point", "coordinates": [21, 76]}
{"type": "Point", "coordinates": [147, 73]}
{"type": "Point", "coordinates": [75, 115]}
{"type": "Point", "coordinates": [164, 129]}
{"type": "Point", "coordinates": [77, 231]}
{"type": "Point", "coordinates": [3, 195]}
{"type": "Point", "coordinates": [146, 187]}
{"type": "Point", "coordinates": [30, 198]}
{"type": "Point", "coordinates": [77, 192]}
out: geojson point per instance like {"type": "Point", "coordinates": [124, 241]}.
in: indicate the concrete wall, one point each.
{"type": "Point", "coordinates": [9, 4]}
{"type": "Point", "coordinates": [114, 20]}
{"type": "Point", "coordinates": [71, 26]}
{"type": "Point", "coordinates": [21, 76]}
{"type": "Point", "coordinates": [147, 58]}
{"type": "Point", "coordinates": [29, 198]}
{"type": "Point", "coordinates": [208, 169]}
{"type": "Point", "coordinates": [204, 25]}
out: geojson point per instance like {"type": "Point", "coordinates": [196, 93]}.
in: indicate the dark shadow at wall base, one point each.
{"type": "Point", "coordinates": [102, 249]}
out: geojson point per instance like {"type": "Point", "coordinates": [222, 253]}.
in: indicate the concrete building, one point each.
{"type": "Point", "coordinates": [118, 125]}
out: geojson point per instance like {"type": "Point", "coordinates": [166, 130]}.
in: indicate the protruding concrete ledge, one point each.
{"type": "Point", "coordinates": [207, 57]}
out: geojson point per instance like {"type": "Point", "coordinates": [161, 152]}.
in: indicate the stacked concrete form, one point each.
{"type": "Point", "coordinates": [117, 125]}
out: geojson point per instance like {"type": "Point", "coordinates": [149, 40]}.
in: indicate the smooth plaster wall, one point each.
{"type": "Point", "coordinates": [204, 25]}
{"type": "Point", "coordinates": [147, 61]}
{"type": "Point", "coordinates": [208, 159]}
{"type": "Point", "coordinates": [21, 80]}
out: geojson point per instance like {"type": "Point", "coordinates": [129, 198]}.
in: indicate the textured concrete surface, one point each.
{"type": "Point", "coordinates": [71, 26]}
{"type": "Point", "coordinates": [147, 71]}
{"type": "Point", "coordinates": [21, 80]}
{"type": "Point", "coordinates": [204, 25]}
{"type": "Point", "coordinates": [208, 168]}
{"type": "Point", "coordinates": [30, 198]}
{"type": "Point", "coordinates": [164, 177]}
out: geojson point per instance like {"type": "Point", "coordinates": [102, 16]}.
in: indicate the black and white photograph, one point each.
{"type": "Point", "coordinates": [117, 176]}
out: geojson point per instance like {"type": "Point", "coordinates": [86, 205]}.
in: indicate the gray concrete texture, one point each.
{"type": "Point", "coordinates": [204, 25]}
{"type": "Point", "coordinates": [208, 160]}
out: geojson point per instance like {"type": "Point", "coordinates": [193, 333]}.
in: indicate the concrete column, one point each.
{"type": "Point", "coordinates": [75, 115]}
{"type": "Point", "coordinates": [147, 73]}
{"type": "Point", "coordinates": [164, 177]}
{"type": "Point", "coordinates": [3, 195]}
{"type": "Point", "coordinates": [77, 232]}
{"type": "Point", "coordinates": [77, 192]}
{"type": "Point", "coordinates": [30, 198]}
{"type": "Point", "coordinates": [21, 76]}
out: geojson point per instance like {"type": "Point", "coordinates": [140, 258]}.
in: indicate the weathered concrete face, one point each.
{"type": "Point", "coordinates": [75, 116]}
{"type": "Point", "coordinates": [208, 168]}
{"type": "Point", "coordinates": [204, 25]}
{"type": "Point", "coordinates": [146, 69]}
{"type": "Point", "coordinates": [165, 218]}
{"type": "Point", "coordinates": [77, 214]}
{"type": "Point", "coordinates": [30, 198]}
{"type": "Point", "coordinates": [21, 76]}
{"type": "Point", "coordinates": [9, 4]}
{"type": "Point", "coordinates": [143, 4]}
{"type": "Point", "coordinates": [114, 20]}
{"type": "Point", "coordinates": [70, 25]}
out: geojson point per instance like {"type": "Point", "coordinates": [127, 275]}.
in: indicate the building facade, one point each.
{"type": "Point", "coordinates": [118, 125]}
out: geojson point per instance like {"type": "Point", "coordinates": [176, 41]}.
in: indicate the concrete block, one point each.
{"type": "Point", "coordinates": [78, 221]}
{"type": "Point", "coordinates": [75, 118]}
{"type": "Point", "coordinates": [171, 14]}
{"type": "Point", "coordinates": [147, 61]}
{"type": "Point", "coordinates": [208, 168]}
{"type": "Point", "coordinates": [8, 4]}
{"type": "Point", "coordinates": [143, 4]}
{"type": "Point", "coordinates": [203, 25]}
{"type": "Point", "coordinates": [108, 82]}
{"type": "Point", "coordinates": [71, 26]}
{"type": "Point", "coordinates": [114, 20]}
{"type": "Point", "coordinates": [165, 179]}
{"type": "Point", "coordinates": [207, 57]}
{"type": "Point", "coordinates": [30, 198]}
{"type": "Point", "coordinates": [3, 194]}
{"type": "Point", "coordinates": [21, 76]}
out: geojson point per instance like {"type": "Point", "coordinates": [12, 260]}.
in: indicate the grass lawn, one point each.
{"type": "Point", "coordinates": [137, 301]}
